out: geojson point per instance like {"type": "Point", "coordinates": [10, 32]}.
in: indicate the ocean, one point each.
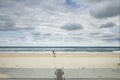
{"type": "Point", "coordinates": [58, 49]}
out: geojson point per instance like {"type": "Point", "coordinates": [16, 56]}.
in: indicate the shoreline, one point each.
{"type": "Point", "coordinates": [88, 54]}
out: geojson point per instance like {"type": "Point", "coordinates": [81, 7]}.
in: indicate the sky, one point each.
{"type": "Point", "coordinates": [59, 22]}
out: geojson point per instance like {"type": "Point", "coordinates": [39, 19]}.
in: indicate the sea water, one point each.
{"type": "Point", "coordinates": [58, 49]}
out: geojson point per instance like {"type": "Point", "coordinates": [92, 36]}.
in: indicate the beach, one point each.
{"type": "Point", "coordinates": [70, 60]}
{"type": "Point", "coordinates": [68, 66]}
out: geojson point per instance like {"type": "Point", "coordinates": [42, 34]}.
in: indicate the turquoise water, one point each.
{"type": "Point", "coordinates": [59, 49]}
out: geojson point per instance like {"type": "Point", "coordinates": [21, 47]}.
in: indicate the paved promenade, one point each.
{"type": "Point", "coordinates": [68, 74]}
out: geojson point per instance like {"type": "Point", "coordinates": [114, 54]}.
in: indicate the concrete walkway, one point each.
{"type": "Point", "coordinates": [27, 73]}
{"type": "Point", "coordinates": [92, 74]}
{"type": "Point", "coordinates": [69, 74]}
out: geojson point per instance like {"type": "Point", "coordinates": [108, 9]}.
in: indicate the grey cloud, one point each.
{"type": "Point", "coordinates": [47, 34]}
{"type": "Point", "coordinates": [5, 18]}
{"type": "Point", "coordinates": [36, 34]}
{"type": "Point", "coordinates": [47, 5]}
{"type": "Point", "coordinates": [8, 27]}
{"type": "Point", "coordinates": [5, 3]}
{"type": "Point", "coordinates": [28, 28]}
{"type": "Point", "coordinates": [72, 27]}
{"type": "Point", "coordinates": [96, 33]}
{"type": "Point", "coordinates": [6, 23]}
{"type": "Point", "coordinates": [109, 36]}
{"type": "Point", "coordinates": [75, 34]}
{"type": "Point", "coordinates": [40, 36]}
{"type": "Point", "coordinates": [93, 1]}
{"type": "Point", "coordinates": [105, 9]}
{"type": "Point", "coordinates": [30, 2]}
{"type": "Point", "coordinates": [107, 25]}
{"type": "Point", "coordinates": [92, 24]}
{"type": "Point", "coordinates": [11, 27]}
{"type": "Point", "coordinates": [110, 39]}
{"type": "Point", "coordinates": [13, 3]}
{"type": "Point", "coordinates": [104, 36]}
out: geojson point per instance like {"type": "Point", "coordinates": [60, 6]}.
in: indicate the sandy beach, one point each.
{"type": "Point", "coordinates": [71, 60]}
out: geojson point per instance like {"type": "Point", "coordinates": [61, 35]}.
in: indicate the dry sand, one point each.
{"type": "Point", "coordinates": [71, 60]}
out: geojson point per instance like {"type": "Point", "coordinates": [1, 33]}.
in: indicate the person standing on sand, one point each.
{"type": "Point", "coordinates": [54, 53]}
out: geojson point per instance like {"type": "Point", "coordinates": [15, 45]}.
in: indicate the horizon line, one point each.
{"type": "Point", "coordinates": [56, 46]}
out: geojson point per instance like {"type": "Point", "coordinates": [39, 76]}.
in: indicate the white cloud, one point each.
{"type": "Point", "coordinates": [41, 22]}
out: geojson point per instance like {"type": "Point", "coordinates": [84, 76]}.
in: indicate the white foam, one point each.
{"type": "Point", "coordinates": [116, 51]}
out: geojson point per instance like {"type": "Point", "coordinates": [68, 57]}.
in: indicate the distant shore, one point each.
{"type": "Point", "coordinates": [70, 60]}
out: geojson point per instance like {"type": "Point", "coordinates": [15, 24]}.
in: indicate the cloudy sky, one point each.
{"type": "Point", "coordinates": [59, 22]}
